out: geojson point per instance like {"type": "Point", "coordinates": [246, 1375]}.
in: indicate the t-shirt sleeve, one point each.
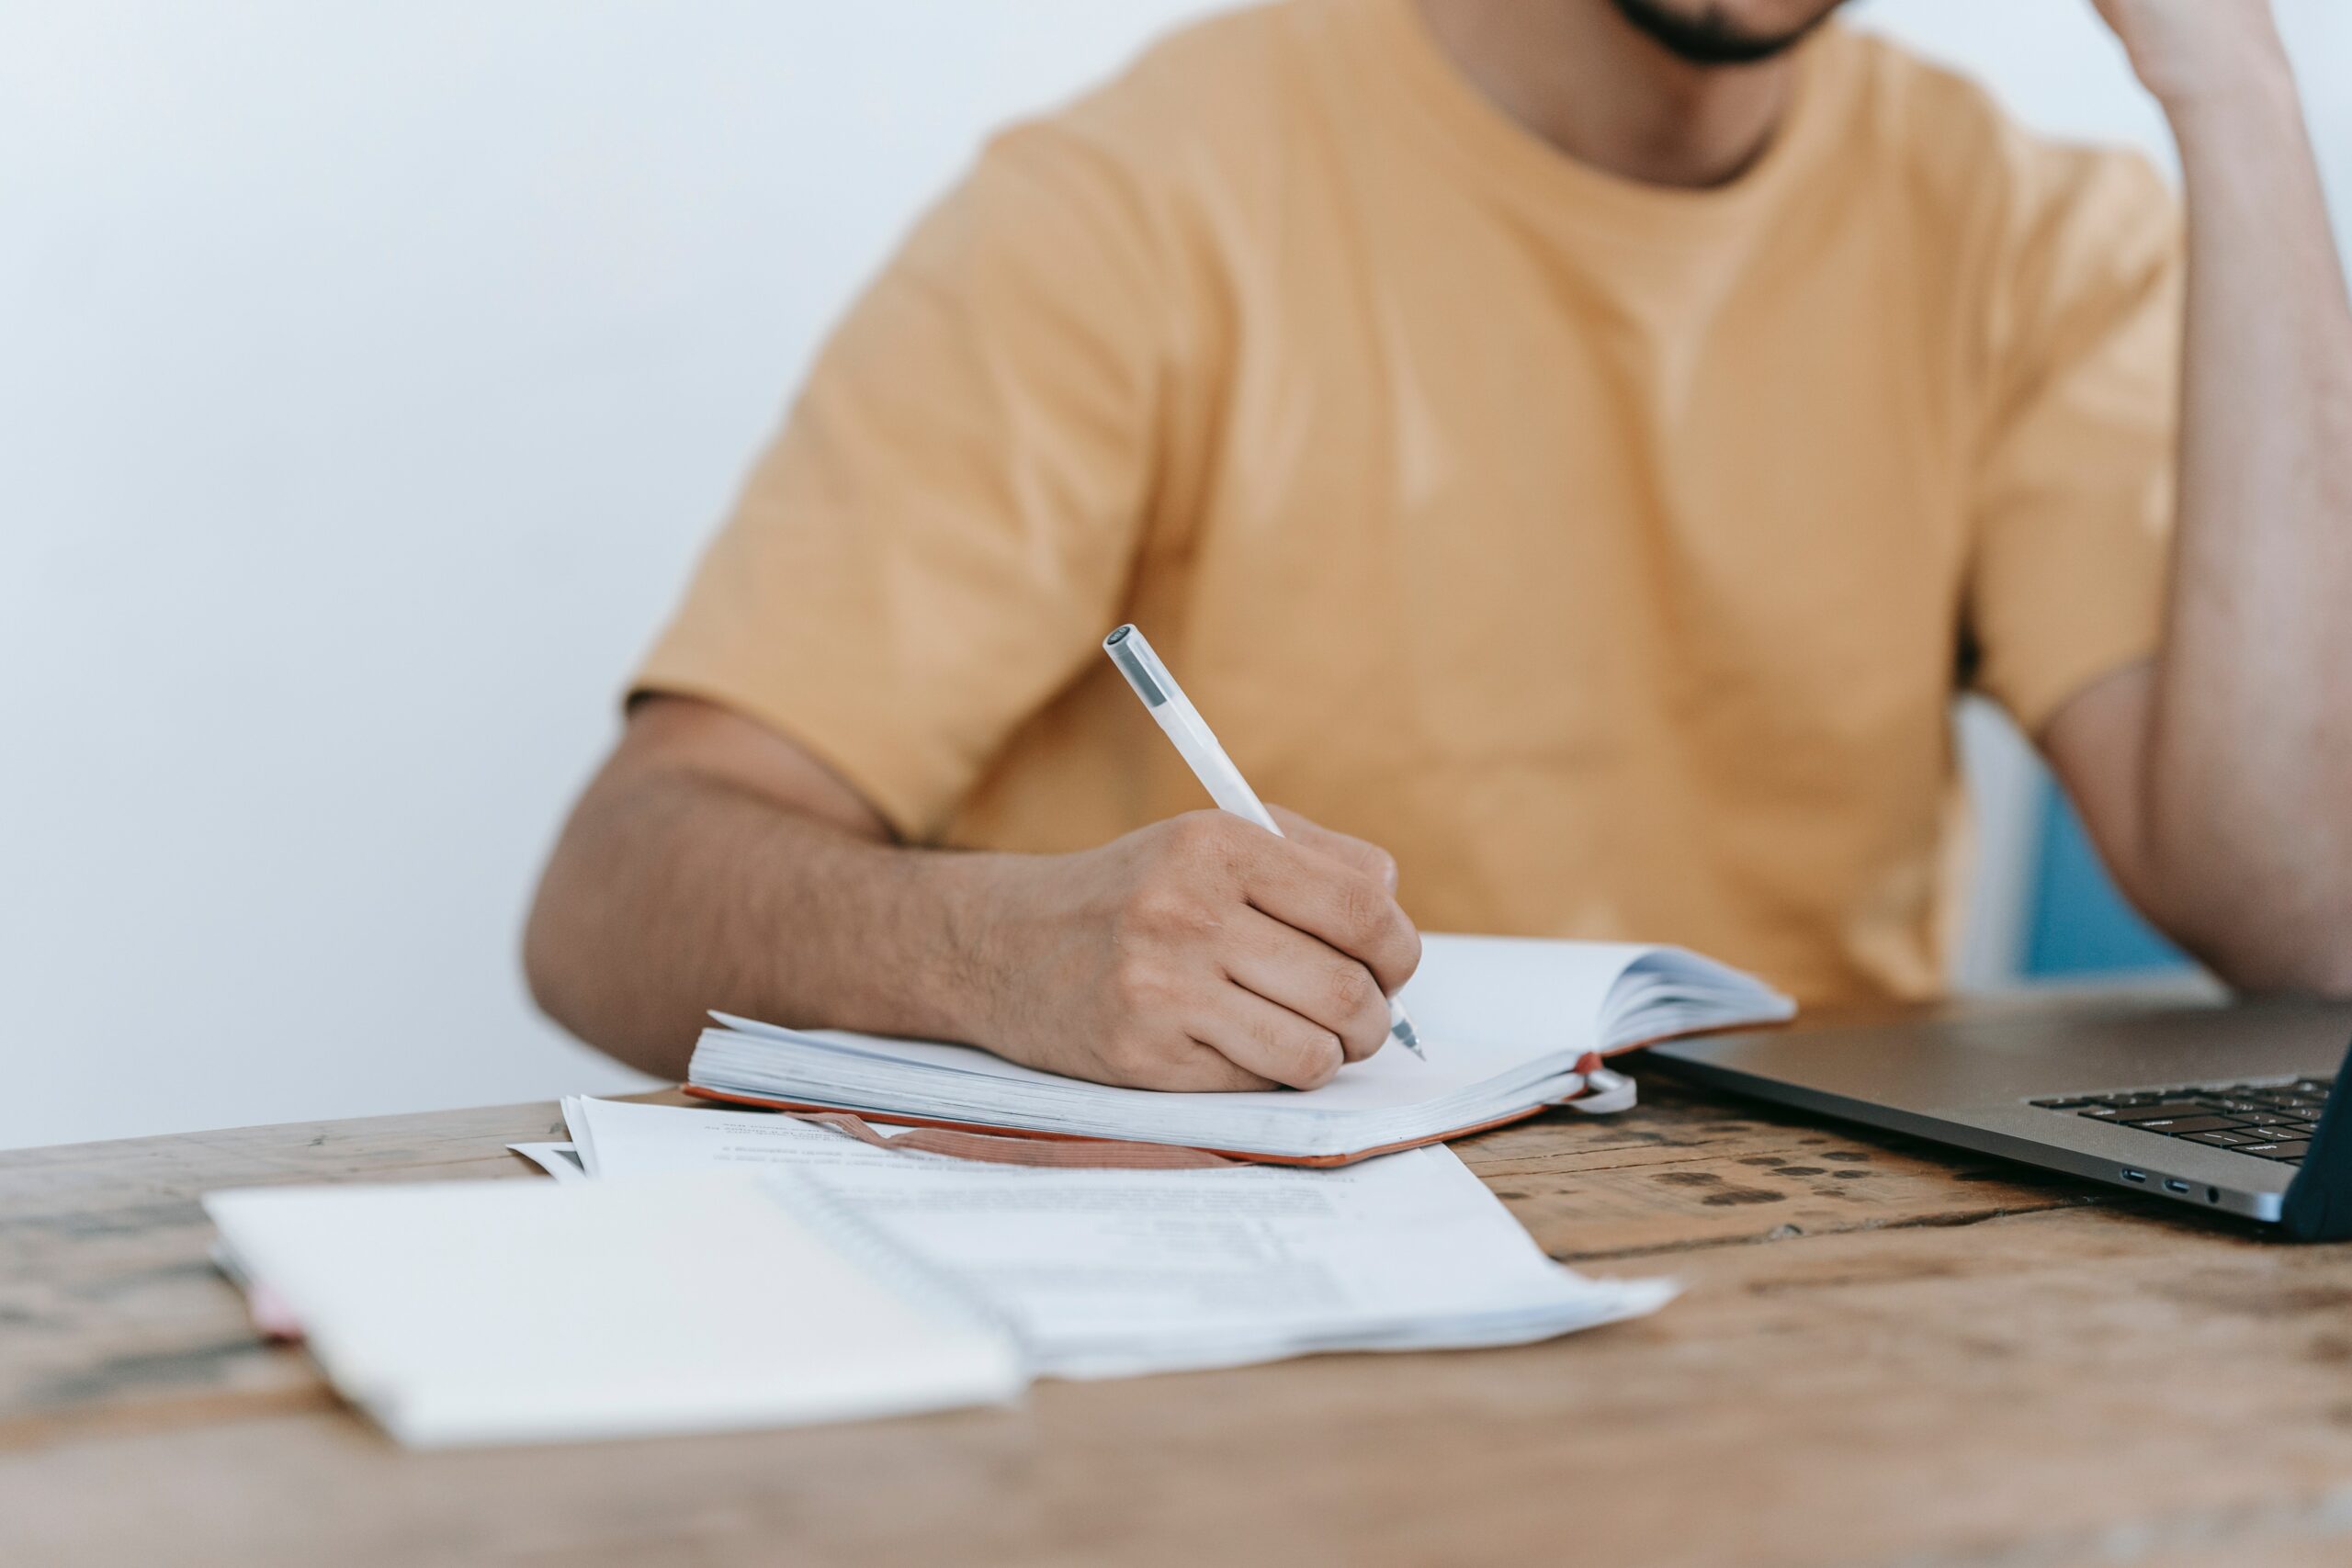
{"type": "Point", "coordinates": [2075, 493]}
{"type": "Point", "coordinates": [942, 531]}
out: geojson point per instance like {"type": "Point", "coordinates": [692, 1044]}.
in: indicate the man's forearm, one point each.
{"type": "Point", "coordinates": [2249, 788]}
{"type": "Point", "coordinates": [716, 863]}
{"type": "Point", "coordinates": [673, 893]}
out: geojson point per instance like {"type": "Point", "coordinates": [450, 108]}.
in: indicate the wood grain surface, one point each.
{"type": "Point", "coordinates": [1889, 1354]}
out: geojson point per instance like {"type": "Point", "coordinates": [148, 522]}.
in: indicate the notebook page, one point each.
{"type": "Point", "coordinates": [1521, 994]}
{"type": "Point", "coordinates": [1671, 990]}
{"type": "Point", "coordinates": [636, 1141]}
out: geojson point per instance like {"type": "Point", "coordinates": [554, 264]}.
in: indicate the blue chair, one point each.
{"type": "Point", "coordinates": [2077, 924]}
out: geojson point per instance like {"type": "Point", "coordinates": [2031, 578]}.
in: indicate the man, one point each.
{"type": "Point", "coordinates": [1577, 446]}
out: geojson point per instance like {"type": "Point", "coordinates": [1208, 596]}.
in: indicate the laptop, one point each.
{"type": "Point", "coordinates": [2230, 1110]}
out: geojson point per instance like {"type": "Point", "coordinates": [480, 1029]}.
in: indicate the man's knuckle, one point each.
{"type": "Point", "coordinates": [1406, 956]}
{"type": "Point", "coordinates": [1208, 837]}
{"type": "Point", "coordinates": [1172, 856]}
{"type": "Point", "coordinates": [1347, 990]}
{"type": "Point", "coordinates": [1319, 1056]}
{"type": "Point", "coordinates": [1237, 845]}
{"type": "Point", "coordinates": [1140, 987]}
{"type": "Point", "coordinates": [1209, 850]}
{"type": "Point", "coordinates": [1153, 905]}
{"type": "Point", "coordinates": [1363, 912]}
{"type": "Point", "coordinates": [1176, 902]}
{"type": "Point", "coordinates": [1194, 832]}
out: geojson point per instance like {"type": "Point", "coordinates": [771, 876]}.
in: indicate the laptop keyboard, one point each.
{"type": "Point", "coordinates": [2267, 1120]}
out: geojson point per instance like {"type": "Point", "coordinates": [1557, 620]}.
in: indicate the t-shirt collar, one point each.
{"type": "Point", "coordinates": [1414, 67]}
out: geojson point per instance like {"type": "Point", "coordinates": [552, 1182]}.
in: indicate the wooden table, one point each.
{"type": "Point", "coordinates": [1889, 1354]}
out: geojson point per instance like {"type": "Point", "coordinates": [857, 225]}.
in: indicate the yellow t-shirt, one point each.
{"type": "Point", "coordinates": [1609, 553]}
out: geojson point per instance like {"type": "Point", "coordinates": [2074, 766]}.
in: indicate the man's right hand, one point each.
{"type": "Point", "coordinates": [1202, 953]}
{"type": "Point", "coordinates": [715, 862]}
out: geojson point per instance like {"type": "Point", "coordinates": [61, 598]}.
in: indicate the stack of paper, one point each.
{"type": "Point", "coordinates": [1115, 1272]}
{"type": "Point", "coordinates": [474, 1311]}
{"type": "Point", "coordinates": [1506, 1022]}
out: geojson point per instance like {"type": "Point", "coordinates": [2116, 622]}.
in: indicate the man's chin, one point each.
{"type": "Point", "coordinates": [1710, 38]}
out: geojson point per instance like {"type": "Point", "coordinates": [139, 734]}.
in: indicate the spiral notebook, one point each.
{"type": "Point", "coordinates": [1512, 1025]}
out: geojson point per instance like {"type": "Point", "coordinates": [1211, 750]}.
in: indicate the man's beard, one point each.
{"type": "Point", "coordinates": [1710, 37]}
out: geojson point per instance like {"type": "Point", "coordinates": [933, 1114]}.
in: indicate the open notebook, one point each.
{"type": "Point", "coordinates": [1506, 1021]}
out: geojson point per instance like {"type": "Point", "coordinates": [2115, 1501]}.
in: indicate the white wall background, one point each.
{"type": "Point", "coordinates": [369, 377]}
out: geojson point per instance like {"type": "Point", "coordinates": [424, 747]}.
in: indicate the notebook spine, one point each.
{"type": "Point", "coordinates": [916, 1279]}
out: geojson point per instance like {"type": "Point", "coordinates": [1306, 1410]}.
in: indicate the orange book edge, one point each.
{"type": "Point", "coordinates": [1248, 1155]}
{"type": "Point", "coordinates": [1319, 1162]}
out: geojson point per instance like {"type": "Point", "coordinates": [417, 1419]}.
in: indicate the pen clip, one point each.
{"type": "Point", "coordinates": [1134, 656]}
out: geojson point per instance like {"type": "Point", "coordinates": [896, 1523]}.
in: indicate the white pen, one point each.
{"type": "Point", "coordinates": [1197, 744]}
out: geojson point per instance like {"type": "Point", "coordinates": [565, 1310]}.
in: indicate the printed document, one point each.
{"type": "Point", "coordinates": [1114, 1272]}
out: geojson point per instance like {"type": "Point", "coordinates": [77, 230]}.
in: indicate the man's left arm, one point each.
{"type": "Point", "coordinates": [2216, 777]}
